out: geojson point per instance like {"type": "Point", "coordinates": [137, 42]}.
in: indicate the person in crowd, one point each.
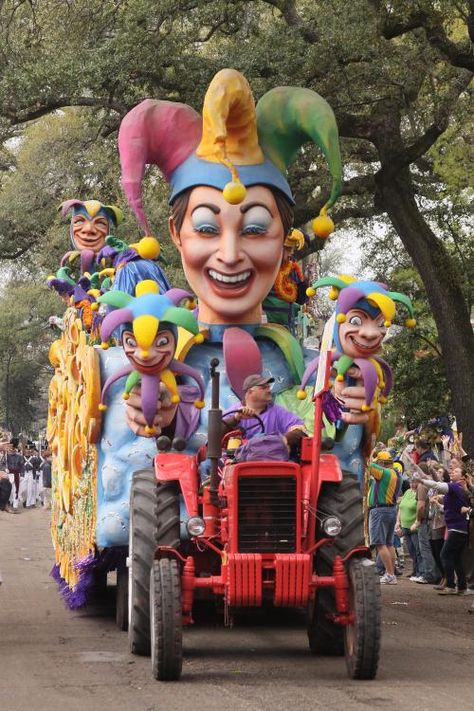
{"type": "Point", "coordinates": [424, 452]}
{"type": "Point", "coordinates": [456, 508]}
{"type": "Point", "coordinates": [32, 466]}
{"type": "Point", "coordinates": [5, 491]}
{"type": "Point", "coordinates": [384, 488]}
{"type": "Point", "coordinates": [430, 573]}
{"type": "Point", "coordinates": [406, 518]}
{"type": "Point", "coordinates": [15, 467]}
{"type": "Point", "coordinates": [46, 470]}
{"type": "Point", "coordinates": [257, 400]}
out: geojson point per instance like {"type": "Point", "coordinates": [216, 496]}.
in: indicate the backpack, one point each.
{"type": "Point", "coordinates": [263, 448]}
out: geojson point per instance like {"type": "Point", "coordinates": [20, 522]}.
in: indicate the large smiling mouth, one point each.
{"type": "Point", "coordinates": [145, 367]}
{"type": "Point", "coordinates": [362, 346]}
{"type": "Point", "coordinates": [230, 281]}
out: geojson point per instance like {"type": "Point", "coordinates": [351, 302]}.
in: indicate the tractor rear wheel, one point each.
{"type": "Point", "coordinates": [343, 500]}
{"type": "Point", "coordinates": [362, 638]}
{"type": "Point", "coordinates": [141, 553]}
{"type": "Point", "coordinates": [166, 620]}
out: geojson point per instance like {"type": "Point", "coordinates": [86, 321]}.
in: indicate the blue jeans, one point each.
{"type": "Point", "coordinates": [430, 569]}
{"type": "Point", "coordinates": [411, 539]}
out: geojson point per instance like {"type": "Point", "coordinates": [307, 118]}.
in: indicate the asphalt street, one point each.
{"type": "Point", "coordinates": [52, 659]}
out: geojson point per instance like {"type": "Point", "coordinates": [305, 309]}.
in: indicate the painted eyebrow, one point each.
{"type": "Point", "coordinates": [213, 208]}
{"type": "Point", "coordinates": [246, 208]}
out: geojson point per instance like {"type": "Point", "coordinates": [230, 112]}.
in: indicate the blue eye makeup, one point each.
{"type": "Point", "coordinates": [256, 221]}
{"type": "Point", "coordinates": [204, 221]}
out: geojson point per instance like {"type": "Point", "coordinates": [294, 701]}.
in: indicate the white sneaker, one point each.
{"type": "Point", "coordinates": [422, 581]}
{"type": "Point", "coordinates": [388, 579]}
{"type": "Point", "coordinates": [413, 578]}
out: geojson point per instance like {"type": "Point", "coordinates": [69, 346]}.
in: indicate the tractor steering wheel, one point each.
{"type": "Point", "coordinates": [258, 423]}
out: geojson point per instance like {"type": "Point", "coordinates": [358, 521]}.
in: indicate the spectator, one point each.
{"type": "Point", "coordinates": [46, 493]}
{"type": "Point", "coordinates": [384, 488]}
{"type": "Point", "coordinates": [424, 452]}
{"type": "Point", "coordinates": [455, 504]}
{"type": "Point", "coordinates": [5, 491]}
{"type": "Point", "coordinates": [430, 572]}
{"type": "Point", "coordinates": [406, 517]}
{"type": "Point", "coordinates": [15, 466]}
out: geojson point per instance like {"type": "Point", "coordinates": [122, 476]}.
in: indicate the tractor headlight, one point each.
{"type": "Point", "coordinates": [196, 526]}
{"type": "Point", "coordinates": [332, 526]}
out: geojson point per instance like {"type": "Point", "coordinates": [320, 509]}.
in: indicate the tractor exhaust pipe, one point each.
{"type": "Point", "coordinates": [214, 432]}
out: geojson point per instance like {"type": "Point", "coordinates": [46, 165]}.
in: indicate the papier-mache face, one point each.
{"type": "Point", "coordinates": [91, 222]}
{"type": "Point", "coordinates": [361, 334]}
{"type": "Point", "coordinates": [234, 149]}
{"type": "Point", "coordinates": [157, 356]}
{"type": "Point", "coordinates": [230, 253]}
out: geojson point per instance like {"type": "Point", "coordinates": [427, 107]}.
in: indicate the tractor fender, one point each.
{"type": "Point", "coordinates": [173, 466]}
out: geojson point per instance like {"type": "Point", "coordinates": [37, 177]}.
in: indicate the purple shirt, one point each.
{"type": "Point", "coordinates": [277, 420]}
{"type": "Point", "coordinates": [453, 500]}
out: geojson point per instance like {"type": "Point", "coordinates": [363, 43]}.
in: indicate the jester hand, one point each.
{"type": "Point", "coordinates": [165, 412]}
{"type": "Point", "coordinates": [352, 397]}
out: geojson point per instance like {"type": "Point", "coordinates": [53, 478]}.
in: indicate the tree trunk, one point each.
{"type": "Point", "coordinates": [444, 294]}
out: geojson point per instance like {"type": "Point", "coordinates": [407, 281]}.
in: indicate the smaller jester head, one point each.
{"type": "Point", "coordinates": [151, 320]}
{"type": "Point", "coordinates": [91, 222]}
{"type": "Point", "coordinates": [364, 312]}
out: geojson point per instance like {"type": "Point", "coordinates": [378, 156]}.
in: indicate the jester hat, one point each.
{"type": "Point", "coordinates": [147, 312]}
{"type": "Point", "coordinates": [370, 296]}
{"type": "Point", "coordinates": [232, 146]}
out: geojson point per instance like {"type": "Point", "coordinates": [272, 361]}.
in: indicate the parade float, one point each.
{"type": "Point", "coordinates": [176, 517]}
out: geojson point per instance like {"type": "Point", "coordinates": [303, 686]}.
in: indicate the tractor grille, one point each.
{"type": "Point", "coordinates": [267, 514]}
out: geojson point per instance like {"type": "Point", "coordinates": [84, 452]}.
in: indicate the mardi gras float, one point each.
{"type": "Point", "coordinates": [232, 223]}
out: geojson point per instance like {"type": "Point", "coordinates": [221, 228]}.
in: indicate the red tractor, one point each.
{"type": "Point", "coordinates": [260, 533]}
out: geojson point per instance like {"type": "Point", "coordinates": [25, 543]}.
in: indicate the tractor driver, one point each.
{"type": "Point", "coordinates": [257, 400]}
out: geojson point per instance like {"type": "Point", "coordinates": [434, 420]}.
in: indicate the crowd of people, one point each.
{"type": "Point", "coordinates": [421, 503]}
{"type": "Point", "coordinates": [25, 476]}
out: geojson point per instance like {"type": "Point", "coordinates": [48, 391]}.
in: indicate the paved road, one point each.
{"type": "Point", "coordinates": [55, 660]}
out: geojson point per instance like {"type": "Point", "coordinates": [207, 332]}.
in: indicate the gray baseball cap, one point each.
{"type": "Point", "coordinates": [251, 381]}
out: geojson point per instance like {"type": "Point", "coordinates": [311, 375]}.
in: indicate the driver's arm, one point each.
{"type": "Point", "coordinates": [233, 421]}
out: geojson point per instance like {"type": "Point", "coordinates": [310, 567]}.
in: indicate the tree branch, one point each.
{"type": "Point", "coordinates": [43, 108]}
{"type": "Point", "coordinates": [294, 20]}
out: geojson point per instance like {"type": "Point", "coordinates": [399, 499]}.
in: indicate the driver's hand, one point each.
{"type": "Point", "coordinates": [244, 412]}
{"type": "Point", "coordinates": [165, 412]}
{"type": "Point", "coordinates": [352, 397]}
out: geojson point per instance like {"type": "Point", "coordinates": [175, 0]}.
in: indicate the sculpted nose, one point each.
{"type": "Point", "coordinates": [229, 248]}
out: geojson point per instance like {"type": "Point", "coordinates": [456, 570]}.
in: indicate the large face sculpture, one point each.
{"type": "Point", "coordinates": [156, 358]}
{"type": "Point", "coordinates": [231, 254]}
{"type": "Point", "coordinates": [361, 334]}
{"type": "Point", "coordinates": [89, 232]}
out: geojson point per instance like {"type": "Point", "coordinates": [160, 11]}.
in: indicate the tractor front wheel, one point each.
{"type": "Point", "coordinates": [362, 638]}
{"type": "Point", "coordinates": [343, 500]}
{"type": "Point", "coordinates": [166, 624]}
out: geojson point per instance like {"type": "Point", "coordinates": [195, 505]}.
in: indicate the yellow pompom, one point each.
{"type": "Point", "coordinates": [199, 404]}
{"type": "Point", "coordinates": [340, 378]}
{"type": "Point", "coordinates": [410, 323]}
{"type": "Point", "coordinates": [94, 306]}
{"type": "Point", "coordinates": [150, 430]}
{"type": "Point", "coordinates": [198, 338]}
{"type": "Point", "coordinates": [340, 318]}
{"type": "Point", "coordinates": [126, 396]}
{"type": "Point", "coordinates": [387, 323]}
{"type": "Point", "coordinates": [310, 291]}
{"type": "Point", "coordinates": [365, 408]}
{"type": "Point", "coordinates": [147, 286]}
{"type": "Point", "coordinates": [322, 226]}
{"type": "Point", "coordinates": [104, 345]}
{"type": "Point", "coordinates": [234, 192]}
{"type": "Point", "coordinates": [51, 276]}
{"type": "Point", "coordinates": [148, 248]}
{"type": "Point", "coordinates": [175, 398]}
{"type": "Point", "coordinates": [382, 399]}
{"type": "Point", "coordinates": [102, 407]}
{"type": "Point", "coordinates": [301, 395]}
{"type": "Point", "coordinates": [333, 293]}
{"type": "Point", "coordinates": [94, 292]}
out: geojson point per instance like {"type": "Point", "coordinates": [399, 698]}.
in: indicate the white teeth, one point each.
{"type": "Point", "coordinates": [227, 279]}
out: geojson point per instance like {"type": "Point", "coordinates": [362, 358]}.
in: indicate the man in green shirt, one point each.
{"type": "Point", "coordinates": [384, 489]}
